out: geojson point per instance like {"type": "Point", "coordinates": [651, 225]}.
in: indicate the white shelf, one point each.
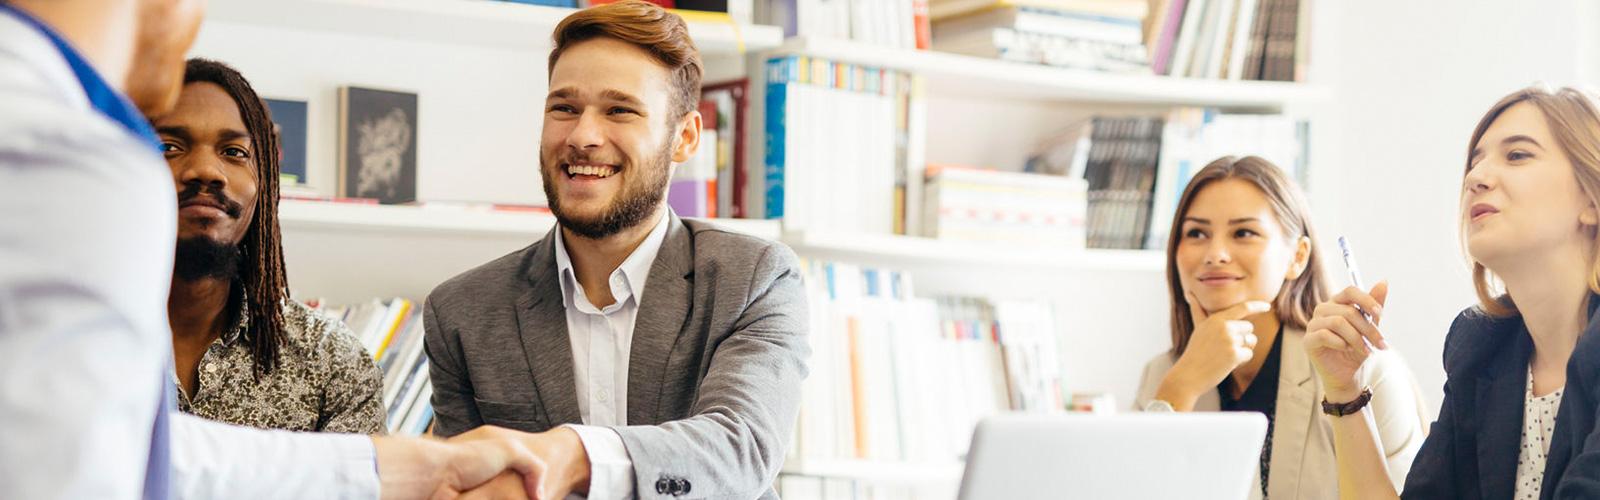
{"type": "Point", "coordinates": [961, 75]}
{"type": "Point", "coordinates": [906, 249]}
{"type": "Point", "coordinates": [529, 226]}
{"type": "Point", "coordinates": [878, 472]}
{"type": "Point", "coordinates": [478, 22]}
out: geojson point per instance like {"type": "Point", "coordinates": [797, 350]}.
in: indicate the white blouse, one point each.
{"type": "Point", "coordinates": [1538, 423]}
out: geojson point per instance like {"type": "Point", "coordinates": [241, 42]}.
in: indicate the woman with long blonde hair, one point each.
{"type": "Point", "coordinates": [1518, 409]}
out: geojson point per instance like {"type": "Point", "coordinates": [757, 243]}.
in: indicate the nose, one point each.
{"type": "Point", "coordinates": [199, 168]}
{"type": "Point", "coordinates": [1479, 179]}
{"type": "Point", "coordinates": [588, 133]}
{"type": "Point", "coordinates": [1217, 252]}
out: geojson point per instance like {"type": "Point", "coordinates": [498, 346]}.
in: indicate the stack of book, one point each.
{"type": "Point", "coordinates": [392, 332]}
{"type": "Point", "coordinates": [1136, 167]}
{"type": "Point", "coordinates": [843, 147]}
{"type": "Point", "coordinates": [1102, 35]}
{"type": "Point", "coordinates": [1230, 39]}
{"type": "Point", "coordinates": [1004, 207]}
{"type": "Point", "coordinates": [905, 379]}
{"type": "Point", "coordinates": [891, 23]}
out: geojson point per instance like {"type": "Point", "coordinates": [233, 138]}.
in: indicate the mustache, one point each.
{"type": "Point", "coordinates": [569, 157]}
{"type": "Point", "coordinates": [192, 190]}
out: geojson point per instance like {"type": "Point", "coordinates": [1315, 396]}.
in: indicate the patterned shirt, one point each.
{"type": "Point", "coordinates": [324, 382]}
{"type": "Point", "coordinates": [1538, 424]}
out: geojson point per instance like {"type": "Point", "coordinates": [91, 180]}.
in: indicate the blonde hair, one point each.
{"type": "Point", "coordinates": [1298, 298]}
{"type": "Point", "coordinates": [1573, 116]}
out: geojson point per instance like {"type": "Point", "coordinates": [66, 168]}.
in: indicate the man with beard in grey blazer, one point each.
{"type": "Point", "coordinates": [637, 353]}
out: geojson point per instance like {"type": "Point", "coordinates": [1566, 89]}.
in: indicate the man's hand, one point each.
{"type": "Point", "coordinates": [565, 463]}
{"type": "Point", "coordinates": [417, 468]}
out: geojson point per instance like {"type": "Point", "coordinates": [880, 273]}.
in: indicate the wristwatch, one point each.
{"type": "Point", "coordinates": [1342, 409]}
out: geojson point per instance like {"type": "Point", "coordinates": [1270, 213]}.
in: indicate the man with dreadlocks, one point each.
{"type": "Point", "coordinates": [245, 353]}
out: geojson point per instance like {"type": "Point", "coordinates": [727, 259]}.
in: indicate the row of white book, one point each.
{"type": "Point", "coordinates": [843, 147]}
{"type": "Point", "coordinates": [899, 378]}
{"type": "Point", "coordinates": [892, 23]}
{"type": "Point", "coordinates": [392, 332]}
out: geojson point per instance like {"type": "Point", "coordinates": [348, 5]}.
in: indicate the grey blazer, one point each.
{"type": "Point", "coordinates": [719, 351]}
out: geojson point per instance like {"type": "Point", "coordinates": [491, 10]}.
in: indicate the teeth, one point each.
{"type": "Point", "coordinates": [595, 170]}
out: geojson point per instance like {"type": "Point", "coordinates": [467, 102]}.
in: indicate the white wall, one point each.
{"type": "Point", "coordinates": [480, 108]}
{"type": "Point", "coordinates": [1411, 80]}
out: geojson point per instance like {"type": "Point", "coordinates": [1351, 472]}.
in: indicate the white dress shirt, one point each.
{"type": "Point", "coordinates": [602, 339]}
{"type": "Point", "coordinates": [88, 218]}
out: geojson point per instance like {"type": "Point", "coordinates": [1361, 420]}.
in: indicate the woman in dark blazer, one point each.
{"type": "Point", "coordinates": [1519, 407]}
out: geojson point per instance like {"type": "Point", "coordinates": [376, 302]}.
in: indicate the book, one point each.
{"type": "Point", "coordinates": [289, 123]}
{"type": "Point", "coordinates": [942, 9]}
{"type": "Point", "coordinates": [897, 377]}
{"type": "Point", "coordinates": [377, 144]}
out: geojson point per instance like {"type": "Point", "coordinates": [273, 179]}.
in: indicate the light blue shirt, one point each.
{"type": "Point", "coordinates": [88, 218]}
{"type": "Point", "coordinates": [602, 339]}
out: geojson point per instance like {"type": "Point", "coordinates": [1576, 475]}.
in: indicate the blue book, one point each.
{"type": "Point", "coordinates": [289, 118]}
{"type": "Point", "coordinates": [779, 75]}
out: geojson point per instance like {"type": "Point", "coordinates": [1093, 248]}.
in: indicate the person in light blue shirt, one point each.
{"type": "Point", "coordinates": [86, 256]}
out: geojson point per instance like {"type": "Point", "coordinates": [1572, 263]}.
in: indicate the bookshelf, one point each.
{"type": "Point", "coordinates": [904, 250]}
{"type": "Point", "coordinates": [975, 77]}
{"type": "Point", "coordinates": [475, 22]}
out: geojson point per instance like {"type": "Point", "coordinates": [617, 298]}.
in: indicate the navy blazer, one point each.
{"type": "Point", "coordinates": [1471, 450]}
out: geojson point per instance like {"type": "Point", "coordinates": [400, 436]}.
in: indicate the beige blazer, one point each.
{"type": "Point", "coordinates": [1302, 463]}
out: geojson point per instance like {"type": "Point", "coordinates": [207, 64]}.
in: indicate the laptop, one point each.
{"type": "Point", "coordinates": [1196, 456]}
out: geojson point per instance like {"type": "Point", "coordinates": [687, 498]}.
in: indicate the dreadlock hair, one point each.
{"type": "Point", "coordinates": [261, 270]}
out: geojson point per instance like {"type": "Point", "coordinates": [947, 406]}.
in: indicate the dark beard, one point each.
{"type": "Point", "coordinates": [201, 258]}
{"type": "Point", "coordinates": [632, 206]}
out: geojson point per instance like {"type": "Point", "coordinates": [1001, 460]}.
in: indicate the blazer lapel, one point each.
{"type": "Point", "coordinates": [1500, 401]}
{"type": "Point", "coordinates": [1292, 426]}
{"type": "Point", "coordinates": [542, 326]}
{"type": "Point", "coordinates": [662, 312]}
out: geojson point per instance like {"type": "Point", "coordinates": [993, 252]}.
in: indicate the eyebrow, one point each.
{"type": "Point", "coordinates": [175, 131]}
{"type": "Point", "coordinates": [1240, 220]}
{"type": "Point", "coordinates": [610, 94]}
{"type": "Point", "coordinates": [1520, 138]}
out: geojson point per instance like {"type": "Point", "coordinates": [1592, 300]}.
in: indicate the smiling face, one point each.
{"type": "Point", "coordinates": [1233, 249]}
{"type": "Point", "coordinates": [213, 164]}
{"type": "Point", "coordinates": [1521, 192]}
{"type": "Point", "coordinates": [608, 144]}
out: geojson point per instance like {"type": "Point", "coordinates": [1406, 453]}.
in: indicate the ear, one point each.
{"type": "Point", "coordinates": [1302, 258]}
{"type": "Point", "coordinates": [688, 137]}
{"type": "Point", "coordinates": [1590, 216]}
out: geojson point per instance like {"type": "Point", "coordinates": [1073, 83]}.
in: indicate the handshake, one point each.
{"type": "Point", "coordinates": [485, 463]}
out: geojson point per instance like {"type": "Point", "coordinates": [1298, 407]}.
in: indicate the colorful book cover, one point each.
{"type": "Point", "coordinates": [378, 145]}
{"type": "Point", "coordinates": [289, 122]}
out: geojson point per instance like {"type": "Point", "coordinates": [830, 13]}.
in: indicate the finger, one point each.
{"type": "Point", "coordinates": [1243, 310]}
{"type": "Point", "coordinates": [1196, 313]}
{"type": "Point", "coordinates": [1248, 340]}
{"type": "Point", "coordinates": [1242, 355]}
{"type": "Point", "coordinates": [1365, 327]}
{"type": "Point", "coordinates": [1322, 338]}
{"type": "Point", "coordinates": [1342, 327]}
{"type": "Point", "coordinates": [1380, 293]}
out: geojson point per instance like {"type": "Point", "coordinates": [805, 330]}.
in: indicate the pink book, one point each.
{"type": "Point", "coordinates": [1169, 34]}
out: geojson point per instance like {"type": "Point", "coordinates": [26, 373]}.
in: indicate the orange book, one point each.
{"type": "Point", "coordinates": [858, 388]}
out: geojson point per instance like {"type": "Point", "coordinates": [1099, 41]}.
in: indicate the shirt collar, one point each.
{"type": "Point", "coordinates": [99, 94]}
{"type": "Point", "coordinates": [241, 325]}
{"type": "Point", "coordinates": [635, 270]}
